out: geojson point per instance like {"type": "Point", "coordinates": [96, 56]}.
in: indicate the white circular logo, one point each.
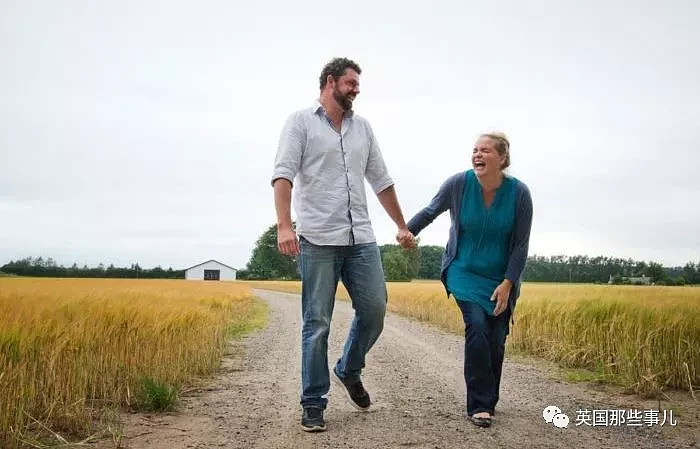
{"type": "Point", "coordinates": [549, 412]}
{"type": "Point", "coordinates": [560, 420]}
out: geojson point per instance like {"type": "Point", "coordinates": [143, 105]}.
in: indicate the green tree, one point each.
{"type": "Point", "coordinates": [430, 258]}
{"type": "Point", "coordinates": [400, 264]}
{"type": "Point", "coordinates": [266, 262]}
{"type": "Point", "coordinates": [656, 272]}
{"type": "Point", "coordinates": [690, 273]}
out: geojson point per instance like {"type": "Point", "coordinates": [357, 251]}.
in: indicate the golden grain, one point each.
{"type": "Point", "coordinates": [639, 337]}
{"type": "Point", "coordinates": [70, 348]}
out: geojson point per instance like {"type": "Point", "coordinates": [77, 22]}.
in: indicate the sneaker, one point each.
{"type": "Point", "coordinates": [355, 392]}
{"type": "Point", "coordinates": [312, 420]}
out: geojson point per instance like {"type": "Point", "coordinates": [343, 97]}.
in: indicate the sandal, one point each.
{"type": "Point", "coordinates": [480, 422]}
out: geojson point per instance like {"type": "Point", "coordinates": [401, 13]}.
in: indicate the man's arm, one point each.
{"type": "Point", "coordinates": [390, 203]}
{"type": "Point", "coordinates": [287, 242]}
{"type": "Point", "coordinates": [287, 163]}
{"type": "Point", "coordinates": [383, 186]}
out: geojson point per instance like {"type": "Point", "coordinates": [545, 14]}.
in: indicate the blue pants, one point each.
{"type": "Point", "coordinates": [484, 348]}
{"type": "Point", "coordinates": [360, 268]}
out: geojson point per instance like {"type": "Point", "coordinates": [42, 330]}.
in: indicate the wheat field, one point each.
{"type": "Point", "coordinates": [643, 338]}
{"type": "Point", "coordinates": [73, 349]}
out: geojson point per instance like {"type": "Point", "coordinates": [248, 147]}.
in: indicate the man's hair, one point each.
{"type": "Point", "coordinates": [336, 68]}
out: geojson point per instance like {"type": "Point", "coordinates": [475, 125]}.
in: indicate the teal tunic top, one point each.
{"type": "Point", "coordinates": [483, 242]}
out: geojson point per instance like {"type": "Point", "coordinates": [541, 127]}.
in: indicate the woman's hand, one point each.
{"type": "Point", "coordinates": [501, 295]}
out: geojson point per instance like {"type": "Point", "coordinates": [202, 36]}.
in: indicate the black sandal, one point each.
{"type": "Point", "coordinates": [480, 422]}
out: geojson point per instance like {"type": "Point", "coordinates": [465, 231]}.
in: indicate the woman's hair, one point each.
{"type": "Point", "coordinates": [502, 145]}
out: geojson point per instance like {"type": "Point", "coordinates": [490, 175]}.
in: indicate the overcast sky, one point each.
{"type": "Point", "coordinates": [146, 131]}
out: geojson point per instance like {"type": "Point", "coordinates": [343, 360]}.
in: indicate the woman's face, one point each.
{"type": "Point", "coordinates": [485, 158]}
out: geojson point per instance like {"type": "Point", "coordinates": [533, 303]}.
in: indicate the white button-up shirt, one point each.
{"type": "Point", "coordinates": [327, 170]}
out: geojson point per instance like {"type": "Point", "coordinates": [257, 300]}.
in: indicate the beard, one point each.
{"type": "Point", "coordinates": [345, 101]}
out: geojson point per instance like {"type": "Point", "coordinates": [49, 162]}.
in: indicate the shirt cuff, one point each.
{"type": "Point", "coordinates": [380, 187]}
{"type": "Point", "coordinates": [282, 175]}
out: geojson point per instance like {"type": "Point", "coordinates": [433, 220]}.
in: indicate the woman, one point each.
{"type": "Point", "coordinates": [483, 262]}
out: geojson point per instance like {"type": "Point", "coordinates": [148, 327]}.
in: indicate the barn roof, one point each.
{"type": "Point", "coordinates": [210, 260]}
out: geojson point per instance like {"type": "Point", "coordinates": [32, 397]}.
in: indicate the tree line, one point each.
{"type": "Point", "coordinates": [266, 262]}
{"type": "Point", "coordinates": [47, 267]}
{"type": "Point", "coordinates": [601, 269]}
{"type": "Point", "coordinates": [424, 262]}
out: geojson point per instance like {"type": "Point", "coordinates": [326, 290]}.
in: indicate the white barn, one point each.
{"type": "Point", "coordinates": [211, 270]}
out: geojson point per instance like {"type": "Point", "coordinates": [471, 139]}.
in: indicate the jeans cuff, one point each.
{"type": "Point", "coordinates": [345, 378]}
{"type": "Point", "coordinates": [320, 403]}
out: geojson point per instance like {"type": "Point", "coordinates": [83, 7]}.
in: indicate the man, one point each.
{"type": "Point", "coordinates": [330, 151]}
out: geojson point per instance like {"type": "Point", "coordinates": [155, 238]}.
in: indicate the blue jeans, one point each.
{"type": "Point", "coordinates": [360, 268]}
{"type": "Point", "coordinates": [484, 348]}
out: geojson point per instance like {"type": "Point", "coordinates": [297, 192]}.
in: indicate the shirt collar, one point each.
{"type": "Point", "coordinates": [318, 108]}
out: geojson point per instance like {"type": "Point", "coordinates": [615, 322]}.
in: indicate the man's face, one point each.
{"type": "Point", "coordinates": [346, 88]}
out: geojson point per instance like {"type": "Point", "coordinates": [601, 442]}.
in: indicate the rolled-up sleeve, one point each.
{"type": "Point", "coordinates": [376, 172]}
{"type": "Point", "coordinates": [289, 149]}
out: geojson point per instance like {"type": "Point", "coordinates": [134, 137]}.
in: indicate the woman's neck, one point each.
{"type": "Point", "coordinates": [491, 182]}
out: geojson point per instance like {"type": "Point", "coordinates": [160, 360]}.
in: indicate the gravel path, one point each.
{"type": "Point", "coordinates": [414, 375]}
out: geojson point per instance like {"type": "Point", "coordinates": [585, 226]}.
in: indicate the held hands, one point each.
{"type": "Point", "coordinates": [287, 241]}
{"type": "Point", "coordinates": [406, 238]}
{"type": "Point", "coordinates": [501, 295]}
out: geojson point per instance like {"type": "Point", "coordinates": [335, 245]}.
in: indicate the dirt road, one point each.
{"type": "Point", "coordinates": [414, 375]}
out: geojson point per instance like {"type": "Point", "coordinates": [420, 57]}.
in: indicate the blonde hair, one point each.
{"type": "Point", "coordinates": [502, 145]}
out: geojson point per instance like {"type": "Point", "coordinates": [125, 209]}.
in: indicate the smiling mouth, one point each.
{"type": "Point", "coordinates": [479, 164]}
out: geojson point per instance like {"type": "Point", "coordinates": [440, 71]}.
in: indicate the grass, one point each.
{"type": "Point", "coordinates": [155, 395]}
{"type": "Point", "coordinates": [256, 318]}
{"type": "Point", "coordinates": [643, 338]}
{"type": "Point", "coordinates": [596, 375]}
{"type": "Point", "coordinates": [71, 350]}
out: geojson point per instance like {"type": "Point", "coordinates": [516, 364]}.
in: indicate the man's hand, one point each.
{"type": "Point", "coordinates": [287, 242]}
{"type": "Point", "coordinates": [501, 295]}
{"type": "Point", "coordinates": [405, 238]}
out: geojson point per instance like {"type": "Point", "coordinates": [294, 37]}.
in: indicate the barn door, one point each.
{"type": "Point", "coordinates": [212, 275]}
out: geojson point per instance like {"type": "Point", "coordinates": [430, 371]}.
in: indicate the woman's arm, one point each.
{"type": "Point", "coordinates": [439, 204]}
{"type": "Point", "coordinates": [521, 234]}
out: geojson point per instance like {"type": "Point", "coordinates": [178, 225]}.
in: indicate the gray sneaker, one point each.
{"type": "Point", "coordinates": [312, 420]}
